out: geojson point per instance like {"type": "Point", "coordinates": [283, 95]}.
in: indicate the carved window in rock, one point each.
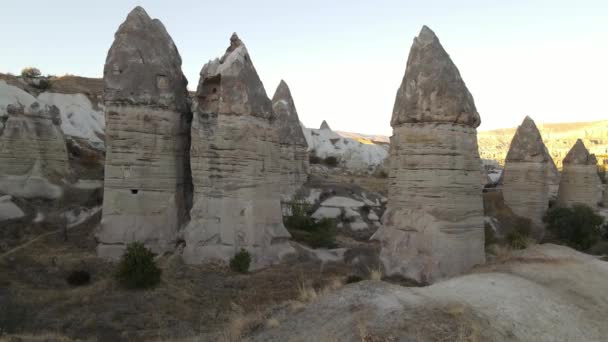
{"type": "Point", "coordinates": [209, 94]}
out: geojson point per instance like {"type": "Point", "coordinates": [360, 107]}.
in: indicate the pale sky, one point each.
{"type": "Point", "coordinates": [344, 60]}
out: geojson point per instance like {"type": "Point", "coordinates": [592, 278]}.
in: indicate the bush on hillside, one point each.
{"type": "Point", "coordinates": [330, 161]}
{"type": "Point", "coordinates": [518, 237]}
{"type": "Point", "coordinates": [241, 261]}
{"type": "Point", "coordinates": [303, 228]}
{"type": "Point", "coordinates": [137, 269]}
{"type": "Point", "coordinates": [78, 278]}
{"type": "Point", "coordinates": [30, 72]}
{"type": "Point", "coordinates": [312, 159]}
{"type": "Point", "coordinates": [578, 226]}
{"type": "Point", "coordinates": [489, 234]}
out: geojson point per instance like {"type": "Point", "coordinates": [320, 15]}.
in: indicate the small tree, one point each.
{"type": "Point", "coordinates": [137, 269]}
{"type": "Point", "coordinates": [30, 72]}
{"type": "Point", "coordinates": [241, 261]}
{"type": "Point", "coordinates": [331, 161]}
{"type": "Point", "coordinates": [578, 226]}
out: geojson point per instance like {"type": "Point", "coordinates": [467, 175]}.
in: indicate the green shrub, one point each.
{"type": "Point", "coordinates": [578, 226]}
{"type": "Point", "coordinates": [78, 278]}
{"type": "Point", "coordinates": [353, 279]}
{"type": "Point", "coordinates": [137, 269]}
{"type": "Point", "coordinates": [518, 237]}
{"type": "Point", "coordinates": [303, 228]}
{"type": "Point", "coordinates": [30, 72]}
{"type": "Point", "coordinates": [331, 161]}
{"type": "Point", "coordinates": [313, 159]}
{"type": "Point", "coordinates": [241, 261]}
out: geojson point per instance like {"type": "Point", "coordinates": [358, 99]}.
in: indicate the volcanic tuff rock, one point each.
{"type": "Point", "coordinates": [579, 182]}
{"type": "Point", "coordinates": [294, 149]}
{"type": "Point", "coordinates": [235, 160]}
{"type": "Point", "coordinates": [147, 139]}
{"type": "Point", "coordinates": [530, 176]}
{"type": "Point", "coordinates": [433, 227]}
{"type": "Point", "coordinates": [324, 125]}
{"type": "Point", "coordinates": [33, 155]}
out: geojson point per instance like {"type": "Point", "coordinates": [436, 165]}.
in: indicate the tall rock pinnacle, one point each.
{"type": "Point", "coordinates": [235, 159]}
{"type": "Point", "coordinates": [433, 226]}
{"type": "Point", "coordinates": [530, 177]}
{"type": "Point", "coordinates": [147, 175]}
{"type": "Point", "coordinates": [432, 89]}
{"type": "Point", "coordinates": [294, 155]}
{"type": "Point", "coordinates": [580, 182]}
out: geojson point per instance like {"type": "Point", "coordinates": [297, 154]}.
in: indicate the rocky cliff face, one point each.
{"type": "Point", "coordinates": [294, 149]}
{"type": "Point", "coordinates": [433, 227]}
{"type": "Point", "coordinates": [530, 177]}
{"type": "Point", "coordinates": [147, 139]}
{"type": "Point", "coordinates": [579, 182]}
{"type": "Point", "coordinates": [33, 155]}
{"type": "Point", "coordinates": [235, 159]}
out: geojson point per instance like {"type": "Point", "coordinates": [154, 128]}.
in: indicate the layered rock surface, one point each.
{"type": "Point", "coordinates": [235, 159]}
{"type": "Point", "coordinates": [33, 155]}
{"type": "Point", "coordinates": [580, 182]}
{"type": "Point", "coordinates": [147, 113]}
{"type": "Point", "coordinates": [294, 149]}
{"type": "Point", "coordinates": [530, 177]}
{"type": "Point", "coordinates": [433, 227]}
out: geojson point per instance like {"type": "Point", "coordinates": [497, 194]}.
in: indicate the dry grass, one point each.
{"type": "Point", "coordinates": [272, 323]}
{"type": "Point", "coordinates": [375, 274]}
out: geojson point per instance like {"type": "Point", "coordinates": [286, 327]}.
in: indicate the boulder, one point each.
{"type": "Point", "coordinates": [147, 187]}
{"type": "Point", "coordinates": [9, 210]}
{"type": "Point", "coordinates": [235, 159]}
{"type": "Point", "coordinates": [580, 182]}
{"type": "Point", "coordinates": [294, 149]}
{"type": "Point", "coordinates": [33, 154]}
{"type": "Point", "coordinates": [433, 227]}
{"type": "Point", "coordinates": [529, 176]}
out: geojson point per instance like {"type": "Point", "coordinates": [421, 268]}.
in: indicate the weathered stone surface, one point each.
{"type": "Point", "coordinates": [530, 177]}
{"type": "Point", "coordinates": [8, 209]}
{"type": "Point", "coordinates": [433, 227]}
{"type": "Point", "coordinates": [147, 113]}
{"type": "Point", "coordinates": [235, 159]}
{"type": "Point", "coordinates": [294, 149]}
{"type": "Point", "coordinates": [432, 89]}
{"type": "Point", "coordinates": [33, 155]}
{"type": "Point", "coordinates": [580, 182]}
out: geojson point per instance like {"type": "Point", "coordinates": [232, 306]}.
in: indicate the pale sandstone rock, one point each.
{"type": "Point", "coordinates": [235, 160]}
{"type": "Point", "coordinates": [342, 202]}
{"type": "Point", "coordinates": [294, 149]}
{"type": "Point", "coordinates": [580, 182]}
{"type": "Point", "coordinates": [33, 154]}
{"type": "Point", "coordinates": [9, 210]}
{"type": "Point", "coordinates": [326, 212]}
{"type": "Point", "coordinates": [529, 176]}
{"type": "Point", "coordinates": [324, 125]}
{"type": "Point", "coordinates": [147, 116]}
{"type": "Point", "coordinates": [433, 226]}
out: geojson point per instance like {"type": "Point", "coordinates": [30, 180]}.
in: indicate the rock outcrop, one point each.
{"type": "Point", "coordinates": [324, 125]}
{"type": "Point", "coordinates": [33, 155]}
{"type": "Point", "coordinates": [580, 182]}
{"type": "Point", "coordinates": [543, 293]}
{"type": "Point", "coordinates": [433, 227]}
{"type": "Point", "coordinates": [530, 177]}
{"type": "Point", "coordinates": [294, 149]}
{"type": "Point", "coordinates": [235, 159]}
{"type": "Point", "coordinates": [147, 114]}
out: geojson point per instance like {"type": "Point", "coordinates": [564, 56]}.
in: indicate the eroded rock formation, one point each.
{"type": "Point", "coordinates": [530, 177]}
{"type": "Point", "coordinates": [294, 149]}
{"type": "Point", "coordinates": [433, 227]}
{"type": "Point", "coordinates": [33, 155]}
{"type": "Point", "coordinates": [235, 159]}
{"type": "Point", "coordinates": [580, 182]}
{"type": "Point", "coordinates": [147, 113]}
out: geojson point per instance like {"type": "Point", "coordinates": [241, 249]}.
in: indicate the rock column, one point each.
{"type": "Point", "coordinates": [580, 182]}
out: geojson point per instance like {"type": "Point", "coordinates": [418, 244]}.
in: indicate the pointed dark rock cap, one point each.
{"type": "Point", "coordinates": [143, 66]}
{"type": "Point", "coordinates": [579, 155]}
{"type": "Point", "coordinates": [231, 85]}
{"type": "Point", "coordinates": [324, 125]}
{"type": "Point", "coordinates": [432, 89]}
{"type": "Point", "coordinates": [527, 144]}
{"type": "Point", "coordinates": [288, 122]}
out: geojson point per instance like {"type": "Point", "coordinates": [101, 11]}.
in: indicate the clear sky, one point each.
{"type": "Point", "coordinates": [344, 60]}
